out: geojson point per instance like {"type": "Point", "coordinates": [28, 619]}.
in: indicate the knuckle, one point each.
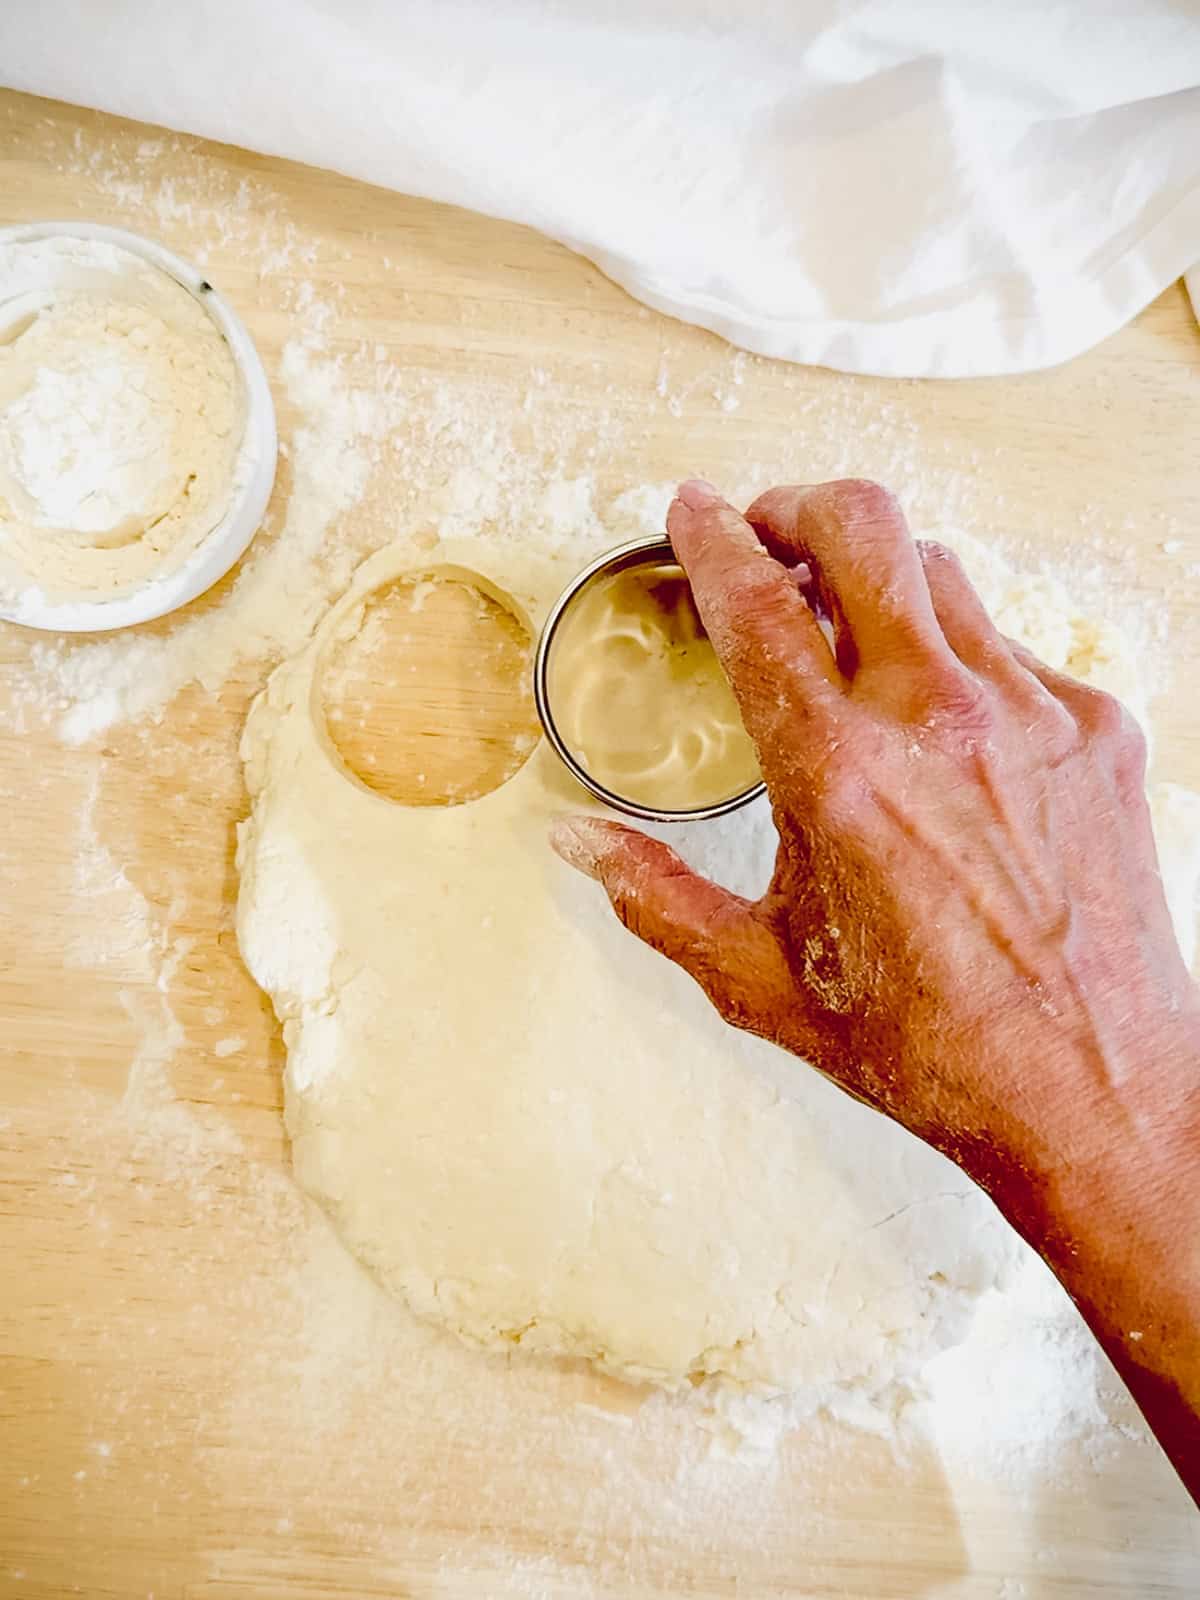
{"type": "Point", "coordinates": [1132, 747]}
{"type": "Point", "coordinates": [777, 507]}
{"type": "Point", "coordinates": [864, 500]}
{"type": "Point", "coordinates": [1133, 739]}
{"type": "Point", "coordinates": [1100, 713]}
{"type": "Point", "coordinates": [849, 502]}
{"type": "Point", "coordinates": [1110, 722]}
{"type": "Point", "coordinates": [958, 703]}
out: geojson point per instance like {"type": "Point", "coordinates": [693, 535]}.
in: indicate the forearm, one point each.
{"type": "Point", "coordinates": [1138, 1288]}
{"type": "Point", "coordinates": [1112, 1203]}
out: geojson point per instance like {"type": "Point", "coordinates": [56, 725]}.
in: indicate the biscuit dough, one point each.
{"type": "Point", "coordinates": [535, 1131]}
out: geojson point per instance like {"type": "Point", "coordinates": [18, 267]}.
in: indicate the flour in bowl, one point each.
{"type": "Point", "coordinates": [121, 416]}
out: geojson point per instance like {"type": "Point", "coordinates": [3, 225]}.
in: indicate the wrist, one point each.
{"type": "Point", "coordinates": [1102, 1137]}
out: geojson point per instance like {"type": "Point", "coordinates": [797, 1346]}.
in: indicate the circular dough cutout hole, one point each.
{"type": "Point", "coordinates": [429, 702]}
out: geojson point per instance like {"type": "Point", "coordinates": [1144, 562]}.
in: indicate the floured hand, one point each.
{"type": "Point", "coordinates": [966, 925]}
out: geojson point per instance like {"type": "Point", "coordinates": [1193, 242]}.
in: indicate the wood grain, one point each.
{"type": "Point", "coordinates": [198, 1395]}
{"type": "Point", "coordinates": [431, 701]}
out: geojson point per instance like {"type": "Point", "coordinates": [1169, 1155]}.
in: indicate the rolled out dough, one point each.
{"type": "Point", "coordinates": [535, 1131]}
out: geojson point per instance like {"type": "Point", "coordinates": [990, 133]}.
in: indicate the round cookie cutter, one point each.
{"type": "Point", "coordinates": [254, 468]}
{"type": "Point", "coordinates": [649, 550]}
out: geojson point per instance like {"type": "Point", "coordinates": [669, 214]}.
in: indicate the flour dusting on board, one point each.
{"type": "Point", "coordinates": [373, 449]}
{"type": "Point", "coordinates": [316, 1364]}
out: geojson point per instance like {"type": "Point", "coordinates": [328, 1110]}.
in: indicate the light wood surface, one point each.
{"type": "Point", "coordinates": [198, 1396]}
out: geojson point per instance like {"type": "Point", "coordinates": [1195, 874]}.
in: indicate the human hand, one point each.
{"type": "Point", "coordinates": [965, 926]}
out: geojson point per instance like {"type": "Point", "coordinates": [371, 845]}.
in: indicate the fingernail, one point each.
{"type": "Point", "coordinates": [698, 494]}
{"type": "Point", "coordinates": [576, 840]}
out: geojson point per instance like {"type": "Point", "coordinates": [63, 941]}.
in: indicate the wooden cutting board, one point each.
{"type": "Point", "coordinates": [198, 1395]}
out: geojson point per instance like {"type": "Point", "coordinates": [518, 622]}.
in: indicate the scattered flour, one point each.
{"type": "Point", "coordinates": [276, 596]}
{"type": "Point", "coordinates": [1026, 1390]}
{"type": "Point", "coordinates": [314, 1347]}
{"type": "Point", "coordinates": [114, 920]}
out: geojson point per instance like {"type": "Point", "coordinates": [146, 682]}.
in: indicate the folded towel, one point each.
{"type": "Point", "coordinates": [919, 187]}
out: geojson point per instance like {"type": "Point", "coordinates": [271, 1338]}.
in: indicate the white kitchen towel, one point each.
{"type": "Point", "coordinates": [944, 187]}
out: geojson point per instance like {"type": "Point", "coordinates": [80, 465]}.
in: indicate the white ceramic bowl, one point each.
{"type": "Point", "coordinates": [254, 469]}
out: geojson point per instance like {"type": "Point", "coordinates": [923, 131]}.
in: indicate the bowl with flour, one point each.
{"type": "Point", "coordinates": [137, 433]}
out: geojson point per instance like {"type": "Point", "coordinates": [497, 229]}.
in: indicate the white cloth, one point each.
{"type": "Point", "coordinates": [892, 186]}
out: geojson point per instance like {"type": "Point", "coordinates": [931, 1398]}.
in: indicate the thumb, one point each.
{"type": "Point", "coordinates": [712, 934]}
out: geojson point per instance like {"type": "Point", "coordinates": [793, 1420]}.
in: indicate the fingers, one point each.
{"type": "Point", "coordinates": [752, 608]}
{"type": "Point", "coordinates": [1061, 702]}
{"type": "Point", "coordinates": [1095, 710]}
{"type": "Point", "coordinates": [866, 567]}
{"type": "Point", "coordinates": [712, 934]}
{"type": "Point", "coordinates": [1058, 684]}
{"type": "Point", "coordinates": [962, 615]}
